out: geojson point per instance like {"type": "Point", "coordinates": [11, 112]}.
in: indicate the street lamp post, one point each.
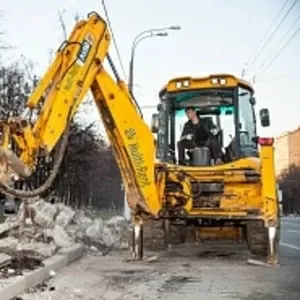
{"type": "Point", "coordinates": [159, 32]}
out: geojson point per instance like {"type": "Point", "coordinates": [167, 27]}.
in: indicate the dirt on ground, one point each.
{"type": "Point", "coordinates": [186, 271]}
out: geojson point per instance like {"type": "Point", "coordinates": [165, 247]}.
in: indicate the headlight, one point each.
{"type": "Point", "coordinates": [178, 84]}
{"type": "Point", "coordinates": [184, 83]}
{"type": "Point", "coordinates": [221, 81]}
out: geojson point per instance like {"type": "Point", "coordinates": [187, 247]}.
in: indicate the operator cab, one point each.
{"type": "Point", "coordinates": [224, 103]}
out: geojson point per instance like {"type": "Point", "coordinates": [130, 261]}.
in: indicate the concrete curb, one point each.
{"type": "Point", "coordinates": [38, 276]}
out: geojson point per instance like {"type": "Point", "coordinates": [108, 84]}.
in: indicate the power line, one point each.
{"type": "Point", "coordinates": [114, 39]}
{"type": "Point", "coordinates": [266, 34]}
{"type": "Point", "coordinates": [281, 50]}
{"type": "Point", "coordinates": [278, 44]}
{"type": "Point", "coordinates": [274, 32]}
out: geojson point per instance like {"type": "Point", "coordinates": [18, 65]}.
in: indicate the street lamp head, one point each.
{"type": "Point", "coordinates": [161, 34]}
{"type": "Point", "coordinates": [175, 27]}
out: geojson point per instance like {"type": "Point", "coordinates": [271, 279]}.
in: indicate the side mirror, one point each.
{"type": "Point", "coordinates": [264, 117]}
{"type": "Point", "coordinates": [154, 123]}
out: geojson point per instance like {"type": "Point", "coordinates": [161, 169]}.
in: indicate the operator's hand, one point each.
{"type": "Point", "coordinates": [188, 137]}
{"type": "Point", "coordinates": [214, 131]}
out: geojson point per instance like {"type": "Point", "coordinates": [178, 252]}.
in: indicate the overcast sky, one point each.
{"type": "Point", "coordinates": [216, 36]}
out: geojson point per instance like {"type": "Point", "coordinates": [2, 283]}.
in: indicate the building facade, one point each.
{"type": "Point", "coordinates": [287, 150]}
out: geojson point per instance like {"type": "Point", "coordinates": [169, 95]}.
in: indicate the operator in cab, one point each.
{"type": "Point", "coordinates": [197, 134]}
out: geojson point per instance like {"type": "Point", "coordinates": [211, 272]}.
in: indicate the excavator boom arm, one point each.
{"type": "Point", "coordinates": [77, 68]}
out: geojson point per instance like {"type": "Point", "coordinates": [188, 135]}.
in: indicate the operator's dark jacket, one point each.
{"type": "Point", "coordinates": [201, 131]}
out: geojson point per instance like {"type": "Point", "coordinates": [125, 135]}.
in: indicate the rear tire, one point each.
{"type": "Point", "coordinates": [257, 238]}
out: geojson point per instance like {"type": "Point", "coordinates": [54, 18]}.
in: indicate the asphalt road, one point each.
{"type": "Point", "coordinates": [189, 272]}
{"type": "Point", "coordinates": [290, 234]}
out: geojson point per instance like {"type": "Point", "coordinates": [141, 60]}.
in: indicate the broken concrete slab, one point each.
{"type": "Point", "coordinates": [116, 221]}
{"type": "Point", "coordinates": [62, 226]}
{"type": "Point", "coordinates": [7, 226]}
{"type": "Point", "coordinates": [115, 232]}
{"type": "Point", "coordinates": [46, 250]}
{"type": "Point", "coordinates": [4, 260]}
{"type": "Point", "coordinates": [94, 231]}
{"type": "Point", "coordinates": [65, 216]}
{"type": "Point", "coordinates": [8, 244]}
{"type": "Point", "coordinates": [60, 237]}
{"type": "Point", "coordinates": [45, 214]}
{"type": "Point", "coordinates": [82, 220]}
{"type": "Point", "coordinates": [108, 237]}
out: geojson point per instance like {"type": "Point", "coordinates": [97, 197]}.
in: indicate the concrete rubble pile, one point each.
{"type": "Point", "coordinates": [46, 229]}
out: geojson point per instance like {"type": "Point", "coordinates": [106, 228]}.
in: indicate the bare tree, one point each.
{"type": "Point", "coordinates": [76, 17]}
{"type": "Point", "coordinates": [15, 87]}
{"type": "Point", "coordinates": [88, 175]}
{"type": "Point", "coordinates": [290, 185]}
{"type": "Point", "coordinates": [63, 25]}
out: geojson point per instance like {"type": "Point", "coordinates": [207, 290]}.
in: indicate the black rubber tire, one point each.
{"type": "Point", "coordinates": [257, 238]}
{"type": "Point", "coordinates": [155, 237]}
{"type": "Point", "coordinates": [177, 233]}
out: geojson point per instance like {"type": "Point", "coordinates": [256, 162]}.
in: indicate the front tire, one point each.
{"type": "Point", "coordinates": [160, 233]}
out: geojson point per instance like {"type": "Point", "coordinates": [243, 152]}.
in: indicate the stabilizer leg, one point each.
{"type": "Point", "coordinates": [273, 252]}
{"type": "Point", "coordinates": [137, 239]}
{"type": "Point", "coordinates": [167, 233]}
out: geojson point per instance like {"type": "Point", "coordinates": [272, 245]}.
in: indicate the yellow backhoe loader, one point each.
{"type": "Point", "coordinates": [240, 193]}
